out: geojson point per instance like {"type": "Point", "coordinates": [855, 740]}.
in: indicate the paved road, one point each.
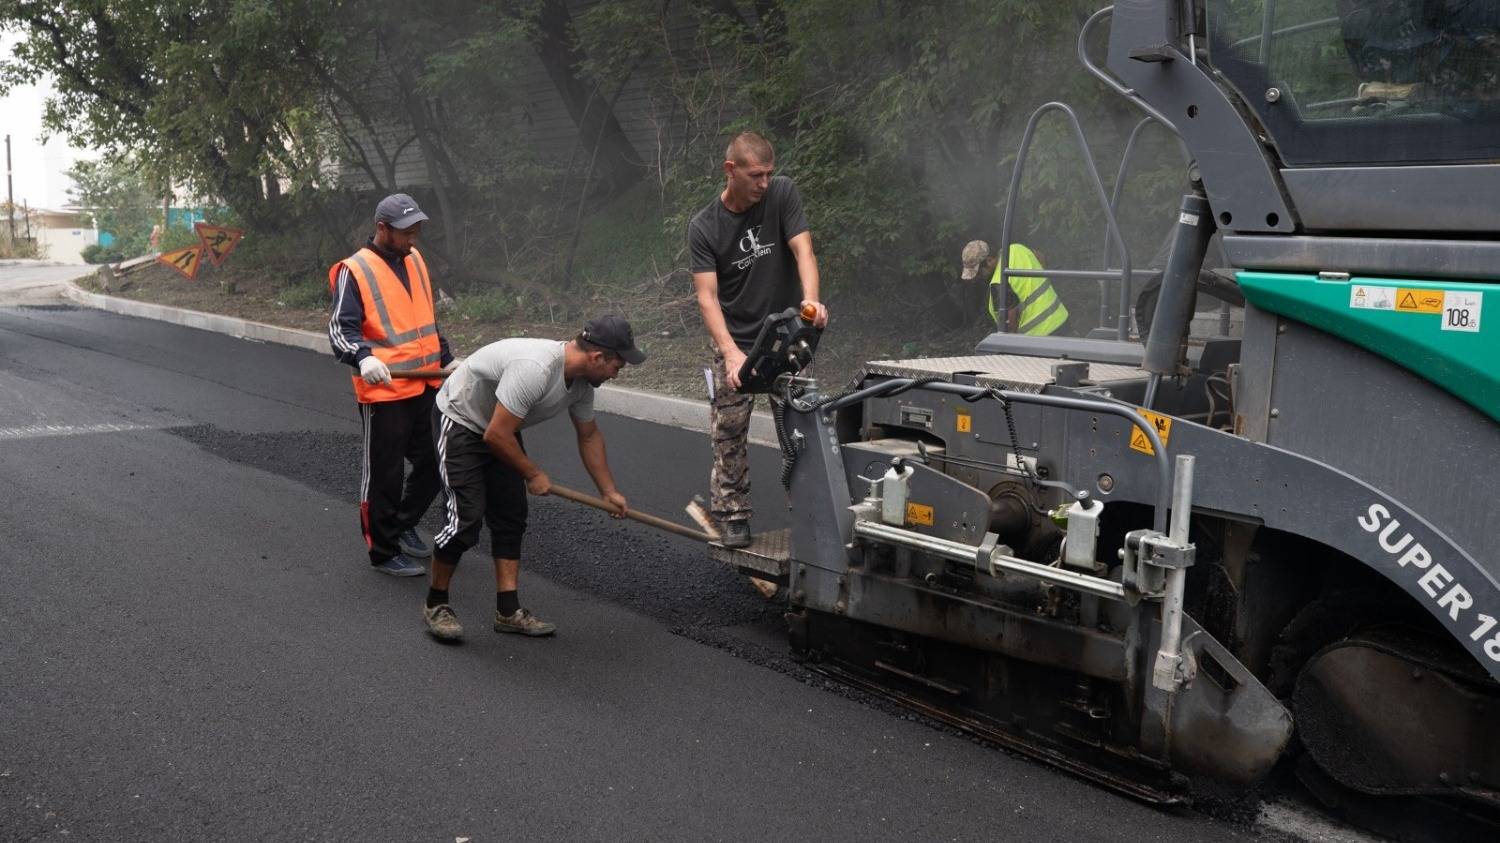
{"type": "Point", "coordinates": [191, 646]}
{"type": "Point", "coordinates": [24, 282]}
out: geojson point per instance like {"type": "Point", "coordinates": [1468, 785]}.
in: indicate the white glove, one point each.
{"type": "Point", "coordinates": [374, 371]}
{"type": "Point", "coordinates": [453, 364]}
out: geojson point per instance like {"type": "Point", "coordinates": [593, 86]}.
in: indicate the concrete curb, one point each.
{"type": "Point", "coordinates": [235, 327]}
{"type": "Point", "coordinates": [616, 400]}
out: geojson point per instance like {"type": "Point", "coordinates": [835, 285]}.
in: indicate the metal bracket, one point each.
{"type": "Point", "coordinates": [1158, 53]}
{"type": "Point", "coordinates": [1160, 551]}
{"type": "Point", "coordinates": [1174, 671]}
{"type": "Point", "coordinates": [1145, 582]}
{"type": "Point", "coordinates": [1070, 373]}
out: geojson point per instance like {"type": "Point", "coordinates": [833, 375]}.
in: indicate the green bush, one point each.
{"type": "Point", "coordinates": [102, 254]}
{"type": "Point", "coordinates": [489, 306]}
{"type": "Point", "coordinates": [308, 295]}
{"type": "Point", "coordinates": [178, 237]}
{"type": "Point", "coordinates": [22, 249]}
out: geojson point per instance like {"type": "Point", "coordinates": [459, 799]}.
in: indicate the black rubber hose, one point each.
{"type": "Point", "coordinates": [879, 390]}
{"type": "Point", "coordinates": [784, 439]}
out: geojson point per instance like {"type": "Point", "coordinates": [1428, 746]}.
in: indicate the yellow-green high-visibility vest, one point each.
{"type": "Point", "coordinates": [1042, 312]}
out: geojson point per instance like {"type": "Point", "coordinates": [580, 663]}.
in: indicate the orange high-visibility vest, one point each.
{"type": "Point", "coordinates": [399, 325]}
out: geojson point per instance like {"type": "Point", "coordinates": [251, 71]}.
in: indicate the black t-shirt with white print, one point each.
{"type": "Point", "coordinates": [748, 251]}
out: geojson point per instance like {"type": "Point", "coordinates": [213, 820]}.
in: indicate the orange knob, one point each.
{"type": "Point", "coordinates": [809, 311]}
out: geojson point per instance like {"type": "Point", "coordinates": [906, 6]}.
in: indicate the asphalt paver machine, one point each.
{"type": "Point", "coordinates": [1179, 563]}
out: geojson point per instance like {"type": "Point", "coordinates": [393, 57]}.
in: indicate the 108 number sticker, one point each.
{"type": "Point", "coordinates": [1461, 310]}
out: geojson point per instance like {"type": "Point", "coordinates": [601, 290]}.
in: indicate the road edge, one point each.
{"type": "Point", "coordinates": [638, 404]}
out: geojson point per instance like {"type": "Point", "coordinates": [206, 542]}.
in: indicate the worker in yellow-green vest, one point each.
{"type": "Point", "coordinates": [1032, 305]}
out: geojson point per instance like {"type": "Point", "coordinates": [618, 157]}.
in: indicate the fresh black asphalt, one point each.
{"type": "Point", "coordinates": [192, 646]}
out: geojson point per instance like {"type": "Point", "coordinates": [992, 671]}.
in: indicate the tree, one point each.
{"type": "Point", "coordinates": [610, 151]}
{"type": "Point", "coordinates": [199, 91]}
{"type": "Point", "coordinates": [119, 198]}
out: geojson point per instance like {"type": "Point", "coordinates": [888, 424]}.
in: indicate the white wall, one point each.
{"type": "Point", "coordinates": [64, 244]}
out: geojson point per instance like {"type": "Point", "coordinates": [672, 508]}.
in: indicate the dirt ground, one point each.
{"type": "Point", "coordinates": [668, 327]}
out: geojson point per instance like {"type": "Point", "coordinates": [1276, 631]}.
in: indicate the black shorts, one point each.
{"type": "Point", "coordinates": [477, 486]}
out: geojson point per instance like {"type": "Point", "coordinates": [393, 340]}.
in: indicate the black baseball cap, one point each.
{"type": "Point", "coordinates": [399, 211]}
{"type": "Point", "coordinates": [613, 333]}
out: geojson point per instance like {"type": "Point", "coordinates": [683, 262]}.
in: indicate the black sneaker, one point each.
{"type": "Point", "coordinates": [736, 534]}
{"type": "Point", "coordinates": [413, 545]}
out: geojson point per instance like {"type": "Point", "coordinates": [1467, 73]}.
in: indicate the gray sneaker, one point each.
{"type": "Point", "coordinates": [524, 622]}
{"type": "Point", "coordinates": [442, 623]}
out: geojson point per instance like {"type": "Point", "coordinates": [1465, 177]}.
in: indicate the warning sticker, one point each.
{"type": "Point", "coordinates": [1366, 297]}
{"type": "Point", "coordinates": [965, 422]}
{"type": "Point", "coordinates": [1419, 301]}
{"type": "Point", "coordinates": [917, 513]}
{"type": "Point", "coordinates": [1461, 310]}
{"type": "Point", "coordinates": [1163, 425]}
{"type": "Point", "coordinates": [185, 261]}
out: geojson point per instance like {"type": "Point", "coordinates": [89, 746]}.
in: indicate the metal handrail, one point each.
{"type": "Point", "coordinates": [1103, 76]}
{"type": "Point", "coordinates": [1002, 308]}
{"type": "Point", "coordinates": [1119, 185]}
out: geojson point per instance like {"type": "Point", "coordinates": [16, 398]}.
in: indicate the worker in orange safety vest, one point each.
{"type": "Point", "coordinates": [383, 321]}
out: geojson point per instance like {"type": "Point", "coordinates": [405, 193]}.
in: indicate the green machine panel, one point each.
{"type": "Point", "coordinates": [1436, 329]}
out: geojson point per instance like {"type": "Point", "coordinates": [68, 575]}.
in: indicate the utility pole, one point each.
{"type": "Point", "coordinates": [10, 194]}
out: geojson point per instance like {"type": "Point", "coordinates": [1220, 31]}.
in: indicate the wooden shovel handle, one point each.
{"type": "Point", "coordinates": [660, 523]}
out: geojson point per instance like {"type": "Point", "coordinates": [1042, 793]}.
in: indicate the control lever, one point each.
{"type": "Point", "coordinates": [784, 346]}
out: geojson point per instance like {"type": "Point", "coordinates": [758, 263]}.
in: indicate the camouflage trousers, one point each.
{"type": "Point", "coordinates": [729, 425]}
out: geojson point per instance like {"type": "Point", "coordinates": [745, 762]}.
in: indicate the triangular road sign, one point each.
{"type": "Point", "coordinates": [185, 261]}
{"type": "Point", "coordinates": [218, 241]}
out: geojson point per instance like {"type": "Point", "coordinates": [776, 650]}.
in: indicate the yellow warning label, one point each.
{"type": "Point", "coordinates": [1419, 301]}
{"type": "Point", "coordinates": [965, 422]}
{"type": "Point", "coordinates": [218, 240]}
{"type": "Point", "coordinates": [1163, 425]}
{"type": "Point", "coordinates": [185, 261]}
{"type": "Point", "coordinates": [917, 513]}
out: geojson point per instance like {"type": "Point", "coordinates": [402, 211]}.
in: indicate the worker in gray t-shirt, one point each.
{"type": "Point", "coordinates": [486, 475]}
{"type": "Point", "coordinates": [752, 256]}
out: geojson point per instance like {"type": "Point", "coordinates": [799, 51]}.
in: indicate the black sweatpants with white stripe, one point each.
{"type": "Point", "coordinates": [391, 501]}
{"type": "Point", "coordinates": [478, 489]}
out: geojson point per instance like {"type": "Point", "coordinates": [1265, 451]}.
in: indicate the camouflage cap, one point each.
{"type": "Point", "coordinates": [974, 255]}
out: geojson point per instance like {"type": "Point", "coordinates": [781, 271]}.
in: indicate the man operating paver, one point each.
{"type": "Point", "coordinates": [752, 256]}
{"type": "Point", "coordinates": [383, 321]}
{"type": "Point", "coordinates": [505, 387]}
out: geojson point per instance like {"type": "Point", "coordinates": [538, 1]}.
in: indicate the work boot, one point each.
{"type": "Point", "coordinates": [442, 623]}
{"type": "Point", "coordinates": [524, 622]}
{"type": "Point", "coordinates": [413, 545]}
{"type": "Point", "coordinates": [736, 534]}
{"type": "Point", "coordinates": [399, 565]}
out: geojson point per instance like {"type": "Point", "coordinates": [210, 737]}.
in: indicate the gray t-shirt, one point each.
{"type": "Point", "coordinates": [523, 375]}
{"type": "Point", "coordinates": [757, 272]}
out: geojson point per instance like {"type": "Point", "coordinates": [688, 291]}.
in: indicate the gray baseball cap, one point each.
{"type": "Point", "coordinates": [399, 211]}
